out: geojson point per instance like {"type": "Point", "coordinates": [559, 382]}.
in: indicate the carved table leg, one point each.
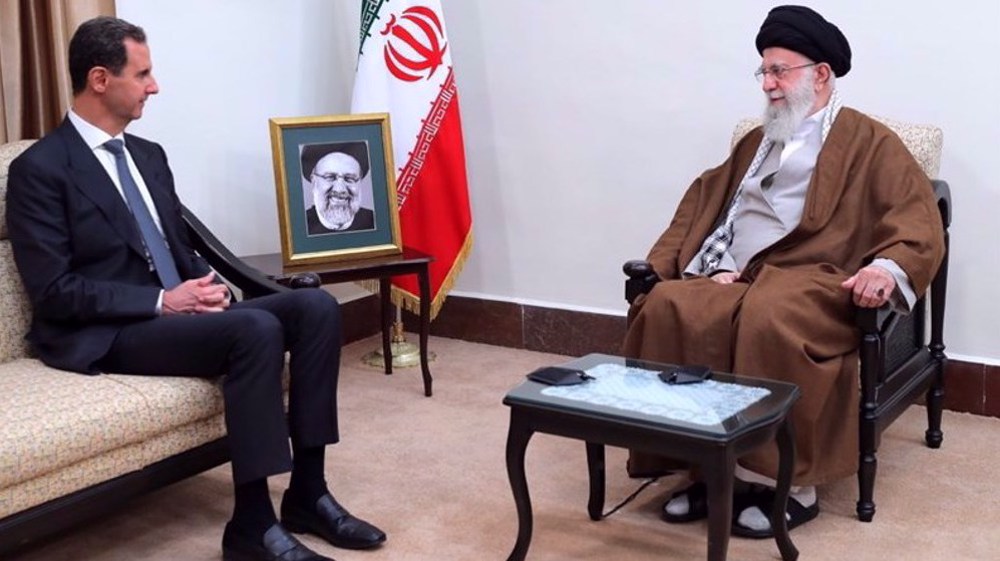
{"type": "Point", "coordinates": [595, 466]}
{"type": "Point", "coordinates": [517, 442]}
{"type": "Point", "coordinates": [384, 293]}
{"type": "Point", "coordinates": [786, 462]}
{"type": "Point", "coordinates": [425, 321]}
{"type": "Point", "coordinates": [718, 473]}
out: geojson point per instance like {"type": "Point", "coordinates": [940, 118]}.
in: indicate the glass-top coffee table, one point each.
{"type": "Point", "coordinates": [709, 424]}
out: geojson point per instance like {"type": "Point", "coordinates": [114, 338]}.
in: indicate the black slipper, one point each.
{"type": "Point", "coordinates": [697, 495]}
{"type": "Point", "coordinates": [764, 500]}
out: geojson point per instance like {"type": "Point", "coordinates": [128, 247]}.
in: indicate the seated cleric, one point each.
{"type": "Point", "coordinates": [818, 212]}
{"type": "Point", "coordinates": [334, 172]}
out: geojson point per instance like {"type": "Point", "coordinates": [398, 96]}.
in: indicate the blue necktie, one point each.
{"type": "Point", "coordinates": [156, 246]}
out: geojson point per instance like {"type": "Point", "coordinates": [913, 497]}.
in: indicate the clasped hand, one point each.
{"type": "Point", "coordinates": [196, 296]}
{"type": "Point", "coordinates": [726, 277]}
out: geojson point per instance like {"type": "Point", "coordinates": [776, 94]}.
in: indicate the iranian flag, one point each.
{"type": "Point", "coordinates": [404, 69]}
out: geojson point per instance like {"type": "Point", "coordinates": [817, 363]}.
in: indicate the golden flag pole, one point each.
{"type": "Point", "coordinates": [404, 353]}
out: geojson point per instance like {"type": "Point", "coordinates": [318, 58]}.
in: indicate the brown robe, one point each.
{"type": "Point", "coordinates": [788, 318]}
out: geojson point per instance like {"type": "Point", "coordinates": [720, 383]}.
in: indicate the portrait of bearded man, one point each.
{"type": "Point", "coordinates": [336, 174]}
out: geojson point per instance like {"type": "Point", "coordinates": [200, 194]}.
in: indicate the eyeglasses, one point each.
{"type": "Point", "coordinates": [778, 71]}
{"type": "Point", "coordinates": [348, 178]}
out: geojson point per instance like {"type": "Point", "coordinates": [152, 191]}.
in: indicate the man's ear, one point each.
{"type": "Point", "coordinates": [97, 78]}
{"type": "Point", "coordinates": [823, 73]}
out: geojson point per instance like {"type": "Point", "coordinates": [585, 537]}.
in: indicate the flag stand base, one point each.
{"type": "Point", "coordinates": [404, 353]}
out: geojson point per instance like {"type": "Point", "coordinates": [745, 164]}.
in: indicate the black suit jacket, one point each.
{"type": "Point", "coordinates": [79, 250]}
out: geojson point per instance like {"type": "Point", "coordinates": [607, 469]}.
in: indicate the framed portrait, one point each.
{"type": "Point", "coordinates": [336, 188]}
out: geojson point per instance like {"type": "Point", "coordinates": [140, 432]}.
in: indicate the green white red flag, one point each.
{"type": "Point", "coordinates": [404, 69]}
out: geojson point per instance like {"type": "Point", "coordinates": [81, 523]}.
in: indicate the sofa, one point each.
{"type": "Point", "coordinates": [73, 447]}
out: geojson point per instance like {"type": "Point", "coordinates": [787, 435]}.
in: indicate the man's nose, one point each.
{"type": "Point", "coordinates": [337, 187]}
{"type": "Point", "coordinates": [769, 83]}
{"type": "Point", "coordinates": [152, 88]}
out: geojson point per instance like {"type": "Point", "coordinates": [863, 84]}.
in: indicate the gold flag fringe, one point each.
{"type": "Point", "coordinates": [411, 302]}
{"type": "Point", "coordinates": [371, 285]}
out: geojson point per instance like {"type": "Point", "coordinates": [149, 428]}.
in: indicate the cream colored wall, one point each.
{"type": "Point", "coordinates": [584, 121]}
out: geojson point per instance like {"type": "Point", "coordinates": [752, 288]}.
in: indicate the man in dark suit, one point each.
{"type": "Point", "coordinates": [334, 172]}
{"type": "Point", "coordinates": [115, 286]}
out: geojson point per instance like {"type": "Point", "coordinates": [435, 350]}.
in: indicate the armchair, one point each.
{"type": "Point", "coordinates": [899, 360]}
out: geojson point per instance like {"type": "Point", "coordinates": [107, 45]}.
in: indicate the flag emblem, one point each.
{"type": "Point", "coordinates": [415, 46]}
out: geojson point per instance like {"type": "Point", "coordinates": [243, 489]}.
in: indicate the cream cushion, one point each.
{"type": "Point", "coordinates": [15, 310]}
{"type": "Point", "coordinates": [62, 431]}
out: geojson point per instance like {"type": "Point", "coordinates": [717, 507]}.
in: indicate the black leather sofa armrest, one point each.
{"type": "Point", "coordinates": [304, 280]}
{"type": "Point", "coordinates": [249, 280]}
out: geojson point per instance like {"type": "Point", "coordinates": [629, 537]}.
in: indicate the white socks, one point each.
{"type": "Point", "coordinates": [750, 517]}
{"type": "Point", "coordinates": [754, 519]}
{"type": "Point", "coordinates": [678, 506]}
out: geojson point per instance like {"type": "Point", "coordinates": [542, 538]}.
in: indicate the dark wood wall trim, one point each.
{"type": "Point", "coordinates": [520, 326]}
{"type": "Point", "coordinates": [971, 387]}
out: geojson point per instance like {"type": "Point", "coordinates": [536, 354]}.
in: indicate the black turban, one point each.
{"type": "Point", "coordinates": [802, 30]}
{"type": "Point", "coordinates": [313, 153]}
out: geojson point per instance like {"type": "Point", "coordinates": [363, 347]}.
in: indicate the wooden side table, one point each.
{"type": "Point", "coordinates": [411, 262]}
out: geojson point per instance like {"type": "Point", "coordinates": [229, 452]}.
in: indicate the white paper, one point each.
{"type": "Point", "coordinates": [639, 390]}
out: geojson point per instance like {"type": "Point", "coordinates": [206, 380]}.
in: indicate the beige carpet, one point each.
{"type": "Point", "coordinates": [430, 471]}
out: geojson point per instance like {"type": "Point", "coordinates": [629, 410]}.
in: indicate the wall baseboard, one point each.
{"type": "Point", "coordinates": [971, 387]}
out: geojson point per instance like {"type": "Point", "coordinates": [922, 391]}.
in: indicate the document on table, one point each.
{"type": "Point", "coordinates": [636, 389]}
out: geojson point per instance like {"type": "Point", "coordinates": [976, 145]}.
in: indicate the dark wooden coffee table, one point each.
{"type": "Point", "coordinates": [628, 406]}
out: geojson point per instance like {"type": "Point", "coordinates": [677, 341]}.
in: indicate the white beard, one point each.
{"type": "Point", "coordinates": [781, 121]}
{"type": "Point", "coordinates": [333, 212]}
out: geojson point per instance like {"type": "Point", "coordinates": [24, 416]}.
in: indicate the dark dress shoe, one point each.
{"type": "Point", "coordinates": [330, 521]}
{"type": "Point", "coordinates": [276, 545]}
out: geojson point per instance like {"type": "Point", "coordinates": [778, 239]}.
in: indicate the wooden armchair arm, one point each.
{"type": "Point", "coordinates": [942, 193]}
{"type": "Point", "coordinates": [872, 321]}
{"type": "Point", "coordinates": [641, 278]}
